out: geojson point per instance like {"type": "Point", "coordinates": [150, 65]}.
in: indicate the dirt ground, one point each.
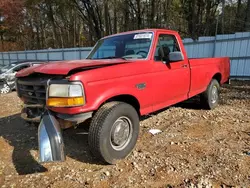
{"type": "Point", "coordinates": [197, 148]}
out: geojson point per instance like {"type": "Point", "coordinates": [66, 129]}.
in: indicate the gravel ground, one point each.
{"type": "Point", "coordinates": [196, 148]}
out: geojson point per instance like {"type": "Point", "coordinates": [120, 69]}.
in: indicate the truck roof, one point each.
{"type": "Point", "coordinates": [143, 30]}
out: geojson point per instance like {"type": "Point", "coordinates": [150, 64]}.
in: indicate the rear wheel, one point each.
{"type": "Point", "coordinates": [210, 98]}
{"type": "Point", "coordinates": [113, 131]}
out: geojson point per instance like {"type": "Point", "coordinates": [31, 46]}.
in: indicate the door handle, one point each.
{"type": "Point", "coordinates": [184, 66]}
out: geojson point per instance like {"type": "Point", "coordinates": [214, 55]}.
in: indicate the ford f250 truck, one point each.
{"type": "Point", "coordinates": [125, 76]}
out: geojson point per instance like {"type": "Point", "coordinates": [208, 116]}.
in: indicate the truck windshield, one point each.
{"type": "Point", "coordinates": [127, 46]}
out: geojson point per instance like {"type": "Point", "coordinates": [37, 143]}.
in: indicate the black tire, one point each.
{"type": "Point", "coordinates": [103, 126]}
{"type": "Point", "coordinates": [210, 98]}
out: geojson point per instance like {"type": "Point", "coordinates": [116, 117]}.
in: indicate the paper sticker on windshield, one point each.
{"type": "Point", "coordinates": [143, 36]}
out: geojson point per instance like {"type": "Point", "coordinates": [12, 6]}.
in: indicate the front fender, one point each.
{"type": "Point", "coordinates": [113, 92]}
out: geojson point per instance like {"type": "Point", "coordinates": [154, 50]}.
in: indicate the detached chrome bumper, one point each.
{"type": "Point", "coordinates": [51, 146]}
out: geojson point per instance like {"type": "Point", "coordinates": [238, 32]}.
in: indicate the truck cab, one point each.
{"type": "Point", "coordinates": [125, 76]}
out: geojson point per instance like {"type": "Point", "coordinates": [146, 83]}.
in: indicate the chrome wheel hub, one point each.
{"type": "Point", "coordinates": [214, 94]}
{"type": "Point", "coordinates": [121, 133]}
{"type": "Point", "coordinates": [5, 89]}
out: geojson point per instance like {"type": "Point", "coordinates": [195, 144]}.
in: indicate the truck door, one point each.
{"type": "Point", "coordinates": [171, 79]}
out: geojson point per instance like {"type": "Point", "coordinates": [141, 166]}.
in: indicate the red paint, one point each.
{"type": "Point", "coordinates": [64, 67]}
{"type": "Point", "coordinates": [165, 84]}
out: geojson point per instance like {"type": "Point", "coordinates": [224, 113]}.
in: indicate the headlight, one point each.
{"type": "Point", "coordinates": [65, 90]}
{"type": "Point", "coordinates": [65, 95]}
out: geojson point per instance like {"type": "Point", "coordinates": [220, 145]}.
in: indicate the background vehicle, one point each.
{"type": "Point", "coordinates": [125, 76]}
{"type": "Point", "coordinates": [8, 72]}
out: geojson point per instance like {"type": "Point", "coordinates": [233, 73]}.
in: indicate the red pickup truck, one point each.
{"type": "Point", "coordinates": [125, 76]}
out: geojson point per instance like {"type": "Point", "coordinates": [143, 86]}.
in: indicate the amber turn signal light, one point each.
{"type": "Point", "coordinates": [65, 102]}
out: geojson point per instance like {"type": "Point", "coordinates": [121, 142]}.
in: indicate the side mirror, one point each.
{"type": "Point", "coordinates": [175, 56]}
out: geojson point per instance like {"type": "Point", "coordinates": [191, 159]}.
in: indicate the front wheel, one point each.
{"type": "Point", "coordinates": [5, 89]}
{"type": "Point", "coordinates": [113, 131]}
{"type": "Point", "coordinates": [210, 98]}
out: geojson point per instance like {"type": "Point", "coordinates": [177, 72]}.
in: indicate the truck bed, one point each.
{"type": "Point", "coordinates": [203, 69]}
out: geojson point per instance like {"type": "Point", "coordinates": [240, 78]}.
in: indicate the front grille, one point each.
{"type": "Point", "coordinates": [31, 90]}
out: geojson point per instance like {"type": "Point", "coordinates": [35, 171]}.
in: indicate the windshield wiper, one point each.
{"type": "Point", "coordinates": [112, 57]}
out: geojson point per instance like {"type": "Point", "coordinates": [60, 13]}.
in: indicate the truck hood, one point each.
{"type": "Point", "coordinates": [64, 67]}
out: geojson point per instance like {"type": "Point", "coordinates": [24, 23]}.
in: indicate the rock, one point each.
{"type": "Point", "coordinates": [135, 164]}
{"type": "Point", "coordinates": [107, 173]}
{"type": "Point", "coordinates": [135, 153]}
{"type": "Point", "coordinates": [152, 172]}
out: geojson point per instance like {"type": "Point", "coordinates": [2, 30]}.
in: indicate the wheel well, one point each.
{"type": "Point", "coordinates": [127, 99]}
{"type": "Point", "coordinates": [217, 76]}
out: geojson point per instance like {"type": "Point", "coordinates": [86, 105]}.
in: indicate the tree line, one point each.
{"type": "Point", "coordinates": [39, 24]}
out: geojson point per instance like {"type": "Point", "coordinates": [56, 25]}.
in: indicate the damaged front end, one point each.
{"type": "Point", "coordinates": [38, 96]}
{"type": "Point", "coordinates": [51, 146]}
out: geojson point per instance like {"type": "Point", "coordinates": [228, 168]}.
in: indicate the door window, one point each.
{"type": "Point", "coordinates": [166, 44]}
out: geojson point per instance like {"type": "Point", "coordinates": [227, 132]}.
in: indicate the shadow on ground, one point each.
{"type": "Point", "coordinates": [193, 103]}
{"type": "Point", "coordinates": [23, 139]}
